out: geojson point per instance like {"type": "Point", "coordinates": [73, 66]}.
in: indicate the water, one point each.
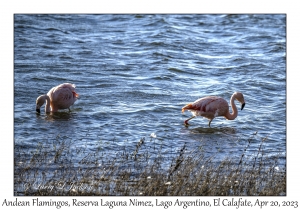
{"type": "Point", "coordinates": [134, 73]}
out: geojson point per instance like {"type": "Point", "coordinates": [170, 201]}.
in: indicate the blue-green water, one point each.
{"type": "Point", "coordinates": [134, 73]}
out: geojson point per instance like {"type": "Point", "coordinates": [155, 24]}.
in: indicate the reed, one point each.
{"type": "Point", "coordinates": [54, 171]}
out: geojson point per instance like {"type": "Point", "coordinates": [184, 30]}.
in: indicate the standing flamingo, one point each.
{"type": "Point", "coordinates": [213, 106]}
{"type": "Point", "coordinates": [60, 97]}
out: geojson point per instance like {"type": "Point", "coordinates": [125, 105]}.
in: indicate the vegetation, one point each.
{"type": "Point", "coordinates": [57, 171]}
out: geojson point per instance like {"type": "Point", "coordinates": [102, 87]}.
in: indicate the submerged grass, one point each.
{"type": "Point", "coordinates": [56, 171]}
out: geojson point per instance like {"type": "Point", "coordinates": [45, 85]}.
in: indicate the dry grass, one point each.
{"type": "Point", "coordinates": [54, 171]}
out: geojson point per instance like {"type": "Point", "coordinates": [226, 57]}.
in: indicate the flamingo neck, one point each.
{"type": "Point", "coordinates": [47, 107]}
{"type": "Point", "coordinates": [233, 115]}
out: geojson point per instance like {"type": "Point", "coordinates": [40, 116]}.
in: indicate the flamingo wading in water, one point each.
{"type": "Point", "coordinates": [213, 106]}
{"type": "Point", "coordinates": [60, 97]}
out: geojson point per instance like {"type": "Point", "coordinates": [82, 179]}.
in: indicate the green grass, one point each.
{"type": "Point", "coordinates": [53, 170]}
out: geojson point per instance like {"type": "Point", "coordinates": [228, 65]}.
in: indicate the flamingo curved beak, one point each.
{"type": "Point", "coordinates": [243, 105]}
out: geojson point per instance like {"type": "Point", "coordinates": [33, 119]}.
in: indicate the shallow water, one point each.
{"type": "Point", "coordinates": [134, 73]}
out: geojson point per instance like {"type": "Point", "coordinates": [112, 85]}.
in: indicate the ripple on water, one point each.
{"type": "Point", "coordinates": [135, 72]}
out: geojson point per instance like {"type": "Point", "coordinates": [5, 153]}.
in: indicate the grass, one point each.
{"type": "Point", "coordinates": [145, 171]}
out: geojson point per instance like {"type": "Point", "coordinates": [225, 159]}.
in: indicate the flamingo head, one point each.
{"type": "Point", "coordinates": [39, 102]}
{"type": "Point", "coordinates": [240, 97]}
{"type": "Point", "coordinates": [243, 105]}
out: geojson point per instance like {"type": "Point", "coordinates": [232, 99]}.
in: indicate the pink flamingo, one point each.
{"type": "Point", "coordinates": [213, 106]}
{"type": "Point", "coordinates": [60, 97]}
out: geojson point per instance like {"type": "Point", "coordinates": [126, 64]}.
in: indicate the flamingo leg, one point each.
{"type": "Point", "coordinates": [209, 122]}
{"type": "Point", "coordinates": [186, 121]}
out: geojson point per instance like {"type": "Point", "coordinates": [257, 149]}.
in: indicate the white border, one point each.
{"type": "Point", "coordinates": [9, 8]}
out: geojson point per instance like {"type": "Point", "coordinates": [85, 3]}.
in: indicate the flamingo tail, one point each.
{"type": "Point", "coordinates": [76, 95]}
{"type": "Point", "coordinates": [187, 107]}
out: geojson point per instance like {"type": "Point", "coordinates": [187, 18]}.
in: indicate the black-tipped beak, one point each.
{"type": "Point", "coordinates": [38, 110]}
{"type": "Point", "coordinates": [243, 105]}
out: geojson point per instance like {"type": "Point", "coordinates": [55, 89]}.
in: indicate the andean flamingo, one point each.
{"type": "Point", "coordinates": [213, 106]}
{"type": "Point", "coordinates": [60, 97]}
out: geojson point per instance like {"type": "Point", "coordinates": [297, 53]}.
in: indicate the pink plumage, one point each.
{"type": "Point", "coordinates": [60, 97]}
{"type": "Point", "coordinates": [213, 106]}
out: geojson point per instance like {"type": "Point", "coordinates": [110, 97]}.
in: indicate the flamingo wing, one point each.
{"type": "Point", "coordinates": [62, 96]}
{"type": "Point", "coordinates": [208, 107]}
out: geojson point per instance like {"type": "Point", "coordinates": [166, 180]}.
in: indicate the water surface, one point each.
{"type": "Point", "coordinates": [134, 73]}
